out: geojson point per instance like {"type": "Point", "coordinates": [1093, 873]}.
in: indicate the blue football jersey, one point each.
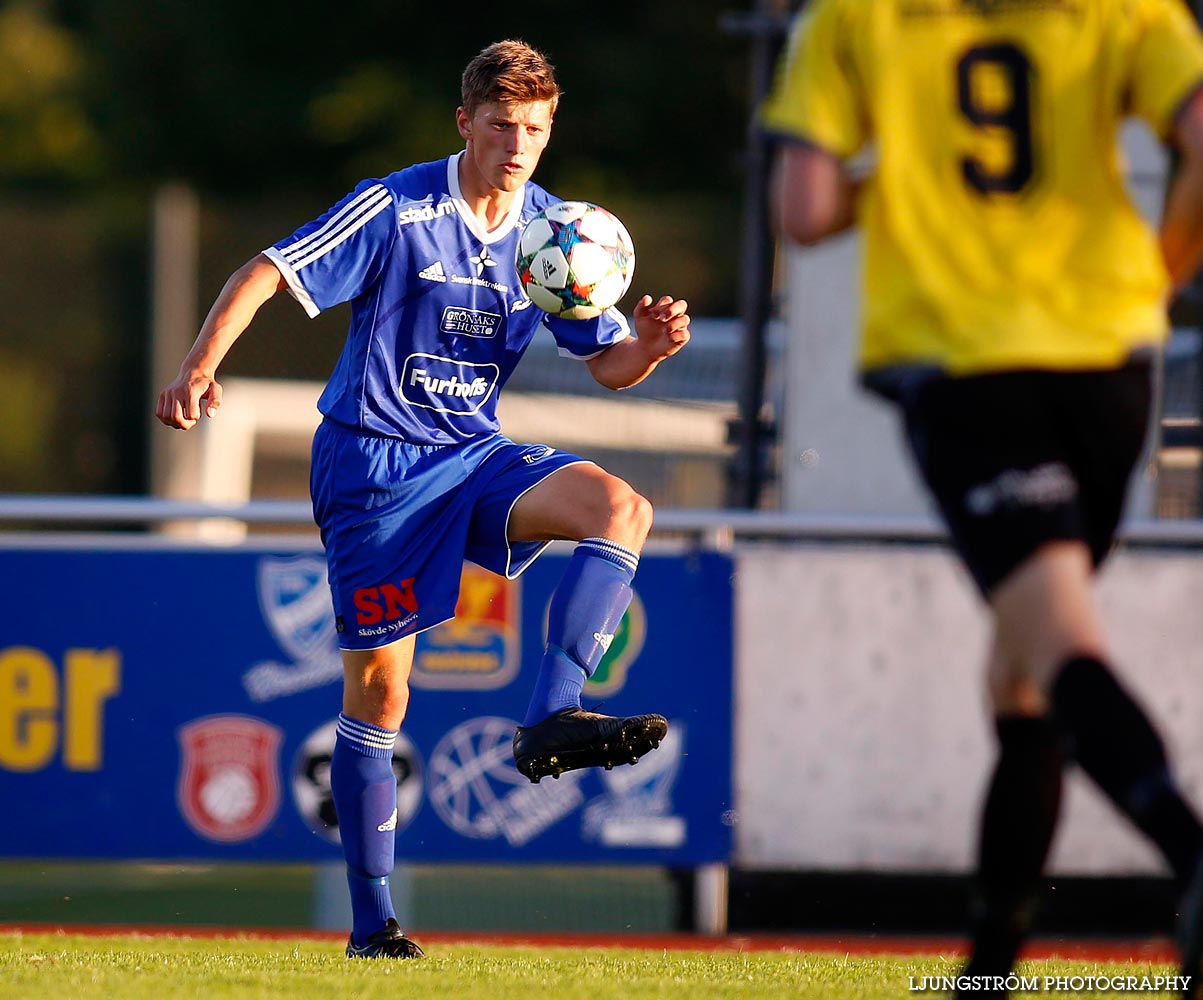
{"type": "Point", "coordinates": [438, 315]}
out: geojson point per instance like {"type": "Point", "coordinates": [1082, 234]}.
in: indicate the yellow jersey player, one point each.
{"type": "Point", "coordinates": [1014, 301]}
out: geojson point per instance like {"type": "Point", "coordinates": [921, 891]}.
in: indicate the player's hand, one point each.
{"type": "Point", "coordinates": [180, 405]}
{"type": "Point", "coordinates": [662, 325]}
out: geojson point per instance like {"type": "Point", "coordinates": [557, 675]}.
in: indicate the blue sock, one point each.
{"type": "Point", "coordinates": [365, 799]}
{"type": "Point", "coordinates": [585, 612]}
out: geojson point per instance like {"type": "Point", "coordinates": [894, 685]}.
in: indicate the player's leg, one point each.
{"type": "Point", "coordinates": [992, 469]}
{"type": "Point", "coordinates": [393, 521]}
{"type": "Point", "coordinates": [1018, 819]}
{"type": "Point", "coordinates": [1040, 609]}
{"type": "Point", "coordinates": [535, 495]}
{"type": "Point", "coordinates": [610, 522]}
{"type": "Point", "coordinates": [375, 695]}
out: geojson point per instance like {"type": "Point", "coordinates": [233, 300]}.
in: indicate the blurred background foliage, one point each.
{"type": "Point", "coordinates": [271, 111]}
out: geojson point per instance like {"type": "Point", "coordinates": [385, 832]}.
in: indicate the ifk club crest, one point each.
{"type": "Point", "coordinates": [295, 601]}
{"type": "Point", "coordinates": [229, 783]}
{"type": "Point", "coordinates": [479, 648]}
{"type": "Point", "coordinates": [611, 673]}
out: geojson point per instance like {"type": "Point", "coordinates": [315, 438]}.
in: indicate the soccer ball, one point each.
{"type": "Point", "coordinates": [575, 260]}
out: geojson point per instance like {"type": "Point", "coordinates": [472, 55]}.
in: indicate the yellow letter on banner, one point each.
{"type": "Point", "coordinates": [93, 677]}
{"type": "Point", "coordinates": [28, 707]}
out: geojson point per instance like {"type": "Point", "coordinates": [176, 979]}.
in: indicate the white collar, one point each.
{"type": "Point", "coordinates": [469, 217]}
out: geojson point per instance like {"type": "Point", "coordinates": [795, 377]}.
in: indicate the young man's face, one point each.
{"type": "Point", "coordinates": [505, 141]}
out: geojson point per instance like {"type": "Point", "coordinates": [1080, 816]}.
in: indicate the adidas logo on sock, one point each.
{"type": "Point", "coordinates": [604, 639]}
{"type": "Point", "coordinates": [388, 824]}
{"type": "Point", "coordinates": [433, 272]}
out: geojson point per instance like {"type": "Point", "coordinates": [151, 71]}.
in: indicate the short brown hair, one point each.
{"type": "Point", "coordinates": [509, 72]}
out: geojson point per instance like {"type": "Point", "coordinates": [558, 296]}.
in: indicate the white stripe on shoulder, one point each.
{"type": "Point", "coordinates": [349, 230]}
{"type": "Point", "coordinates": [352, 215]}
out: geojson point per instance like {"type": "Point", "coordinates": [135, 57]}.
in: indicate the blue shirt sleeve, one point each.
{"type": "Point", "coordinates": [335, 257]}
{"type": "Point", "coordinates": [587, 338]}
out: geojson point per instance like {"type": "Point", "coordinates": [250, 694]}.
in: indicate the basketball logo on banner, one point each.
{"type": "Point", "coordinates": [229, 784]}
{"type": "Point", "coordinates": [479, 793]}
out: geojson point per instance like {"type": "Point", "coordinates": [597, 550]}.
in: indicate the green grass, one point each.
{"type": "Point", "coordinates": [456, 898]}
{"type": "Point", "coordinates": [54, 967]}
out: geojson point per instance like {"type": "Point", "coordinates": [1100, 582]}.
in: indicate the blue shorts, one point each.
{"type": "Point", "coordinates": [398, 520]}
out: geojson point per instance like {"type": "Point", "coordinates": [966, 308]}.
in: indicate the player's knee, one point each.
{"type": "Point", "coordinates": [630, 517]}
{"type": "Point", "coordinates": [381, 701]}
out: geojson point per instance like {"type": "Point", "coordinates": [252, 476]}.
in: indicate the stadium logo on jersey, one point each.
{"type": "Point", "coordinates": [433, 272]}
{"type": "Point", "coordinates": [311, 783]}
{"type": "Point", "coordinates": [229, 786]}
{"type": "Point", "coordinates": [621, 650]}
{"type": "Point", "coordinates": [295, 603]}
{"type": "Point", "coordinates": [447, 386]}
{"type": "Point", "coordinates": [478, 792]}
{"type": "Point", "coordinates": [470, 322]}
{"type": "Point", "coordinates": [427, 213]}
{"type": "Point", "coordinates": [478, 649]}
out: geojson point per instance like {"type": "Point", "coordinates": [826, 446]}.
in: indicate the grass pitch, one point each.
{"type": "Point", "coordinates": [132, 967]}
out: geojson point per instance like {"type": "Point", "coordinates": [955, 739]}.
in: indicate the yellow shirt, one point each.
{"type": "Point", "coordinates": [998, 231]}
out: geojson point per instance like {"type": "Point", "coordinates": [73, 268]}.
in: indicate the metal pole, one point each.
{"type": "Point", "coordinates": [765, 28]}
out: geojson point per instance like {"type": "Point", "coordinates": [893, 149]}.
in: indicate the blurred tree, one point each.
{"type": "Point", "coordinates": [272, 110]}
{"type": "Point", "coordinates": [46, 133]}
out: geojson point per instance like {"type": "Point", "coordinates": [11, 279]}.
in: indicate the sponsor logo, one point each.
{"type": "Point", "coordinates": [478, 792]}
{"type": "Point", "coordinates": [1015, 489]}
{"type": "Point", "coordinates": [478, 649]}
{"type": "Point", "coordinates": [470, 322]}
{"type": "Point", "coordinates": [537, 455]}
{"type": "Point", "coordinates": [621, 650]}
{"type": "Point", "coordinates": [228, 788]}
{"type": "Point", "coordinates": [311, 783]}
{"type": "Point", "coordinates": [433, 272]}
{"type": "Point", "coordinates": [294, 600]}
{"type": "Point", "coordinates": [386, 602]}
{"type": "Point", "coordinates": [637, 808]}
{"type": "Point", "coordinates": [447, 386]}
{"type": "Point", "coordinates": [427, 213]}
{"type": "Point", "coordinates": [482, 260]}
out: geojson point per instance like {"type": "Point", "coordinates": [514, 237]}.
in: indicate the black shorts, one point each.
{"type": "Point", "coordinates": [1021, 458]}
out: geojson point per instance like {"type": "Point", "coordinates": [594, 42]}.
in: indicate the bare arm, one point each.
{"type": "Point", "coordinates": [813, 196]}
{"type": "Point", "coordinates": [1182, 221]}
{"type": "Point", "coordinates": [661, 329]}
{"type": "Point", "coordinates": [245, 291]}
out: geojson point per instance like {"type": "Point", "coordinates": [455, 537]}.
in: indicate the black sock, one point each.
{"type": "Point", "coordinates": [1114, 742]}
{"type": "Point", "coordinates": [1018, 821]}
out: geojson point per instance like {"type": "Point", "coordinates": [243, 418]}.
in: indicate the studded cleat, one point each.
{"type": "Point", "coordinates": [574, 738]}
{"type": "Point", "coordinates": [388, 942]}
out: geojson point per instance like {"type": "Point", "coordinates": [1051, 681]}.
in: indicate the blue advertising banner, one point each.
{"type": "Point", "coordinates": [171, 703]}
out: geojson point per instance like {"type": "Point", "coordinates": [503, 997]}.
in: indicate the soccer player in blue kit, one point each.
{"type": "Point", "coordinates": [410, 472]}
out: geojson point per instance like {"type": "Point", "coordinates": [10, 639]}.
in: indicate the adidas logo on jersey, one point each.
{"type": "Point", "coordinates": [433, 272]}
{"type": "Point", "coordinates": [388, 824]}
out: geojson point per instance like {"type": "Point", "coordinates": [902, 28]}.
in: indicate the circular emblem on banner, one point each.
{"type": "Point", "coordinates": [472, 773]}
{"type": "Point", "coordinates": [311, 781]}
{"type": "Point", "coordinates": [229, 787]}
